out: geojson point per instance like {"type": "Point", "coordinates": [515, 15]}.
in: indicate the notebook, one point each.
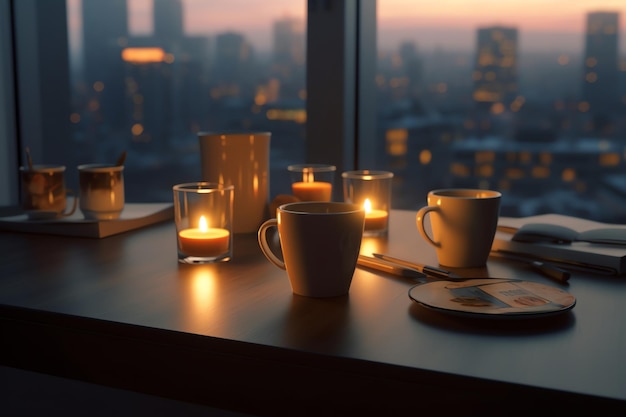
{"type": "Point", "coordinates": [134, 216]}
{"type": "Point", "coordinates": [601, 258]}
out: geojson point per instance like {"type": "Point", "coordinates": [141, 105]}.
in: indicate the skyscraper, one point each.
{"type": "Point", "coordinates": [289, 45]}
{"type": "Point", "coordinates": [233, 56]}
{"type": "Point", "coordinates": [168, 20]}
{"type": "Point", "coordinates": [413, 68]}
{"type": "Point", "coordinates": [105, 34]}
{"type": "Point", "coordinates": [495, 71]}
{"type": "Point", "coordinates": [600, 83]}
{"type": "Point", "coordinates": [289, 54]}
{"type": "Point", "coordinates": [166, 92]}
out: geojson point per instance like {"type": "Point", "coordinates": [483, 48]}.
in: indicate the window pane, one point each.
{"type": "Point", "coordinates": [149, 75]}
{"type": "Point", "coordinates": [526, 97]}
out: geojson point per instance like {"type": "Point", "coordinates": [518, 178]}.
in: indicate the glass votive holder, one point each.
{"type": "Point", "coordinates": [372, 191]}
{"type": "Point", "coordinates": [203, 213]}
{"type": "Point", "coordinates": [312, 182]}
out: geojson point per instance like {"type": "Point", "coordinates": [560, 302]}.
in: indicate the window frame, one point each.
{"type": "Point", "coordinates": [8, 134]}
{"type": "Point", "coordinates": [341, 70]}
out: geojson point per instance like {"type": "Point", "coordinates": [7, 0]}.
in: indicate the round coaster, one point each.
{"type": "Point", "coordinates": [493, 298]}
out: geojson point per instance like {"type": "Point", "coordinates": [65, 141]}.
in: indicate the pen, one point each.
{"type": "Point", "coordinates": [379, 265]}
{"type": "Point", "coordinates": [425, 269]}
{"type": "Point", "coordinates": [551, 271]}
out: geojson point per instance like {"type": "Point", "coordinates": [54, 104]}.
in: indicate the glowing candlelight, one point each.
{"type": "Point", "coordinates": [310, 190]}
{"type": "Point", "coordinates": [374, 219]}
{"type": "Point", "coordinates": [204, 241]}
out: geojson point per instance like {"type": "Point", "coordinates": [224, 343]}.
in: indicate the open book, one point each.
{"type": "Point", "coordinates": [134, 216]}
{"type": "Point", "coordinates": [599, 257]}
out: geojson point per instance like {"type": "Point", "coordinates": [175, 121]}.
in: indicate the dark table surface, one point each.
{"type": "Point", "coordinates": [121, 311]}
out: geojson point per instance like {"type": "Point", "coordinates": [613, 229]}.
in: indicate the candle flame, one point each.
{"type": "Point", "coordinates": [203, 224]}
{"type": "Point", "coordinates": [367, 206]}
{"type": "Point", "coordinates": [307, 175]}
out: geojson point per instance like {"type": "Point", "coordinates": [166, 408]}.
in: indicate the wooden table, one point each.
{"type": "Point", "coordinates": [122, 312]}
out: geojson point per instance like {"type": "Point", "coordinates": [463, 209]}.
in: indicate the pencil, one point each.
{"type": "Point", "coordinates": [379, 265]}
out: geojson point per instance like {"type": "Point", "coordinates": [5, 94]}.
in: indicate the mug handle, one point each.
{"type": "Point", "coordinates": [419, 219]}
{"type": "Point", "coordinates": [70, 193]}
{"type": "Point", "coordinates": [264, 245]}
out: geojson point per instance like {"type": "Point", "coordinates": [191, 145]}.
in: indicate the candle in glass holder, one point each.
{"type": "Point", "coordinates": [372, 190]}
{"type": "Point", "coordinates": [203, 213]}
{"type": "Point", "coordinates": [312, 182]}
{"type": "Point", "coordinates": [204, 241]}
{"type": "Point", "coordinates": [374, 219]}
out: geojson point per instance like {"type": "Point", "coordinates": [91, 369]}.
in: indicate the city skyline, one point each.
{"type": "Point", "coordinates": [556, 26]}
{"type": "Point", "coordinates": [481, 118]}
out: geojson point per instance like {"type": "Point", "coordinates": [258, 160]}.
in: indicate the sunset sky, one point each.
{"type": "Point", "coordinates": [446, 23]}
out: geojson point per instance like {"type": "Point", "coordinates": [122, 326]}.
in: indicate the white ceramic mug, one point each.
{"type": "Point", "coordinates": [101, 191]}
{"type": "Point", "coordinates": [320, 242]}
{"type": "Point", "coordinates": [241, 160]}
{"type": "Point", "coordinates": [463, 223]}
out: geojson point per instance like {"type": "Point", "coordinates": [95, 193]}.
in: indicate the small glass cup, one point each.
{"type": "Point", "coordinates": [44, 195]}
{"type": "Point", "coordinates": [101, 192]}
{"type": "Point", "coordinates": [372, 191]}
{"type": "Point", "coordinates": [203, 213]}
{"type": "Point", "coordinates": [312, 182]}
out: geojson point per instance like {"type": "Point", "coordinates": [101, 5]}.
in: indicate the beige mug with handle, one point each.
{"type": "Point", "coordinates": [320, 243]}
{"type": "Point", "coordinates": [463, 225]}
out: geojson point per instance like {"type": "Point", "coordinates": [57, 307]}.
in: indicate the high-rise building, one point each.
{"type": "Point", "coordinates": [166, 80]}
{"type": "Point", "coordinates": [413, 68]}
{"type": "Point", "coordinates": [495, 71]}
{"type": "Point", "coordinates": [288, 44]}
{"type": "Point", "coordinates": [232, 62]}
{"type": "Point", "coordinates": [289, 55]}
{"type": "Point", "coordinates": [168, 20]}
{"type": "Point", "coordinates": [105, 34]}
{"type": "Point", "coordinates": [600, 83]}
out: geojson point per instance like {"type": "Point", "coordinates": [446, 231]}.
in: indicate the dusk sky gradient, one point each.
{"type": "Point", "coordinates": [543, 24]}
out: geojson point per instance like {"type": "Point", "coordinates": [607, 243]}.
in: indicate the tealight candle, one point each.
{"type": "Point", "coordinates": [312, 182]}
{"type": "Point", "coordinates": [203, 214]}
{"type": "Point", "coordinates": [374, 219]}
{"type": "Point", "coordinates": [204, 241]}
{"type": "Point", "coordinates": [372, 190]}
{"type": "Point", "coordinates": [312, 191]}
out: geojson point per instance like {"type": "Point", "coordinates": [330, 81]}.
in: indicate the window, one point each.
{"type": "Point", "coordinates": [146, 76]}
{"type": "Point", "coordinates": [489, 94]}
{"type": "Point", "coordinates": [520, 96]}
{"type": "Point", "coordinates": [186, 66]}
